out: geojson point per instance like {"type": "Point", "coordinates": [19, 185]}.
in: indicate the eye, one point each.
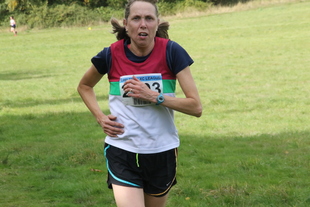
{"type": "Point", "coordinates": [136, 18]}
{"type": "Point", "coordinates": [149, 18]}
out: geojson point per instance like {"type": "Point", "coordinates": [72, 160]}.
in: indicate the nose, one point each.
{"type": "Point", "coordinates": [143, 24]}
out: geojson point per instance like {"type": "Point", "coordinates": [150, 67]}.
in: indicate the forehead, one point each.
{"type": "Point", "coordinates": [142, 8]}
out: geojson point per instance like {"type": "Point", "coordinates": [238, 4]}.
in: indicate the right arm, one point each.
{"type": "Point", "coordinates": [86, 91]}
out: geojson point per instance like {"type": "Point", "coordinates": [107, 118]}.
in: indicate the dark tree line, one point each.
{"type": "Point", "coordinates": [55, 13]}
{"type": "Point", "coordinates": [22, 5]}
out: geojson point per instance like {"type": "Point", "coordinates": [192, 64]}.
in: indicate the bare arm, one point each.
{"type": "Point", "coordinates": [189, 105]}
{"type": "Point", "coordinates": [85, 89]}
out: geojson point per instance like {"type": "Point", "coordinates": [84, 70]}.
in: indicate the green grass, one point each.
{"type": "Point", "coordinates": [250, 147]}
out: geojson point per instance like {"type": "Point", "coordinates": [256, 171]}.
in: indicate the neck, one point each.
{"type": "Point", "coordinates": [141, 51]}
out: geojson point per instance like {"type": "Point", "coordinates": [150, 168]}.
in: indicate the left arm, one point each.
{"type": "Point", "coordinates": [190, 105]}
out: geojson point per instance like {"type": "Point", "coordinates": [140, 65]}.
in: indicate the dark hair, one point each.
{"type": "Point", "coordinates": [120, 31]}
{"type": "Point", "coordinates": [130, 2]}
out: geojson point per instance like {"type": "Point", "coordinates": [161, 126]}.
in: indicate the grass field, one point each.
{"type": "Point", "coordinates": [250, 148]}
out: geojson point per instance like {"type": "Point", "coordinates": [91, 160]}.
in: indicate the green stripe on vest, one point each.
{"type": "Point", "coordinates": [169, 87]}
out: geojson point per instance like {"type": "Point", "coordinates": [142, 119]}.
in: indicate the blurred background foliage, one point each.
{"type": "Point", "coordinates": [65, 13]}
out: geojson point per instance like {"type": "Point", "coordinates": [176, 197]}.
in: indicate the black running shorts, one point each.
{"type": "Point", "coordinates": [155, 173]}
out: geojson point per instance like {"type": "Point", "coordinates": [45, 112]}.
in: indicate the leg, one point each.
{"type": "Point", "coordinates": [151, 201]}
{"type": "Point", "coordinates": [128, 196]}
{"type": "Point", "coordinates": [13, 30]}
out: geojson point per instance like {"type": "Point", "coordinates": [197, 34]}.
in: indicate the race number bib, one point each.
{"type": "Point", "coordinates": [152, 80]}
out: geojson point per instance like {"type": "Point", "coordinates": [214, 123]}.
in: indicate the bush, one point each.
{"type": "Point", "coordinates": [116, 4]}
{"type": "Point", "coordinates": [45, 15]}
{"type": "Point", "coordinates": [166, 8]}
{"type": "Point", "coordinates": [59, 16]}
{"type": "Point", "coordinates": [106, 13]}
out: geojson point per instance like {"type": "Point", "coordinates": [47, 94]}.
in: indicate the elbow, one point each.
{"type": "Point", "coordinates": [198, 112]}
{"type": "Point", "coordinates": [78, 89]}
{"type": "Point", "coordinates": [196, 109]}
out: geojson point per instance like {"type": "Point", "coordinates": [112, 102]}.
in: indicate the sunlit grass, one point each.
{"type": "Point", "coordinates": [250, 147]}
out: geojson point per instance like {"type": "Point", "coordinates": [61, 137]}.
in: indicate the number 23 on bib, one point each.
{"type": "Point", "coordinates": [153, 81]}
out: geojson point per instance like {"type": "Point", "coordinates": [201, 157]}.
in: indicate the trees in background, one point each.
{"type": "Point", "coordinates": [54, 13]}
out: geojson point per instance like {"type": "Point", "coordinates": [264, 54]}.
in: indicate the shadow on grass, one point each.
{"type": "Point", "coordinates": [229, 2]}
{"type": "Point", "coordinates": [271, 169]}
{"type": "Point", "coordinates": [265, 169]}
{"type": "Point", "coordinates": [41, 126]}
{"type": "Point", "coordinates": [53, 159]}
{"type": "Point", "coordinates": [54, 101]}
{"type": "Point", "coordinates": [24, 75]}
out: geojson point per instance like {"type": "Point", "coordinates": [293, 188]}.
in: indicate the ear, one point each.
{"type": "Point", "coordinates": [125, 24]}
{"type": "Point", "coordinates": [158, 22]}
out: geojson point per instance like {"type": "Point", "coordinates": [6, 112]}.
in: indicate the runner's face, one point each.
{"type": "Point", "coordinates": [142, 23]}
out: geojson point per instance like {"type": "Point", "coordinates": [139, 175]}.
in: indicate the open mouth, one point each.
{"type": "Point", "coordinates": [143, 34]}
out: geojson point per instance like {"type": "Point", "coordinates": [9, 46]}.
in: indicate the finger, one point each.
{"type": "Point", "coordinates": [128, 86]}
{"type": "Point", "coordinates": [111, 117]}
{"type": "Point", "coordinates": [113, 127]}
{"type": "Point", "coordinates": [133, 81]}
{"type": "Point", "coordinates": [114, 123]}
{"type": "Point", "coordinates": [110, 134]}
{"type": "Point", "coordinates": [113, 131]}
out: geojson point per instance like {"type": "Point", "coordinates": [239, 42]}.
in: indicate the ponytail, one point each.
{"type": "Point", "coordinates": [121, 33]}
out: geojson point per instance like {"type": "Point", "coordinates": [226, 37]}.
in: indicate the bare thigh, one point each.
{"type": "Point", "coordinates": [128, 196]}
{"type": "Point", "coordinates": [131, 196]}
{"type": "Point", "coordinates": [151, 201]}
